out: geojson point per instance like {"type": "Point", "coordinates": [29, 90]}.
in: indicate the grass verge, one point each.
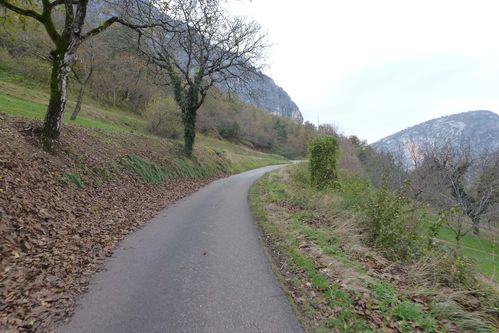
{"type": "Point", "coordinates": [338, 284]}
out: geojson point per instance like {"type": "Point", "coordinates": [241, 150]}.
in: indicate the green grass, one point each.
{"type": "Point", "coordinates": [149, 171]}
{"type": "Point", "coordinates": [75, 179]}
{"type": "Point", "coordinates": [22, 108]}
{"type": "Point", "coordinates": [241, 157]}
{"type": "Point", "coordinates": [31, 102]}
{"type": "Point", "coordinates": [179, 168]}
{"type": "Point", "coordinates": [346, 320]}
{"type": "Point", "coordinates": [19, 107]}
{"type": "Point", "coordinates": [479, 248]}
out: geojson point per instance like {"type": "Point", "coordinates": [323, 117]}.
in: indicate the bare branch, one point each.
{"type": "Point", "coordinates": [206, 47]}
{"type": "Point", "coordinates": [22, 11]}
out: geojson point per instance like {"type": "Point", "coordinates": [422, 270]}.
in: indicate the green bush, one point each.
{"type": "Point", "coordinates": [457, 270]}
{"type": "Point", "coordinates": [355, 191]}
{"type": "Point", "coordinates": [324, 156]}
{"type": "Point", "coordinates": [301, 173]}
{"type": "Point", "coordinates": [164, 119]}
{"type": "Point", "coordinates": [35, 69]}
{"type": "Point", "coordinates": [395, 226]}
{"type": "Point", "coordinates": [230, 132]}
{"type": "Point", "coordinates": [6, 61]}
{"type": "Point", "coordinates": [31, 69]}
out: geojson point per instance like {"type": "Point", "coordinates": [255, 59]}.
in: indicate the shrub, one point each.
{"type": "Point", "coordinates": [164, 119]}
{"type": "Point", "coordinates": [230, 132]}
{"type": "Point", "coordinates": [395, 226]}
{"type": "Point", "coordinates": [301, 173]}
{"type": "Point", "coordinates": [324, 156]}
{"type": "Point", "coordinates": [34, 69]}
{"type": "Point", "coordinates": [6, 61]}
{"type": "Point", "coordinates": [444, 266]}
{"type": "Point", "coordinates": [355, 191]}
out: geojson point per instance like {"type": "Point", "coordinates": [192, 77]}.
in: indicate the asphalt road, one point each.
{"type": "Point", "coordinates": [198, 266]}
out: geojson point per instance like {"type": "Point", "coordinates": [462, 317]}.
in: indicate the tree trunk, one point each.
{"type": "Point", "coordinates": [78, 103]}
{"type": "Point", "coordinates": [189, 120]}
{"type": "Point", "coordinates": [475, 220]}
{"type": "Point", "coordinates": [58, 98]}
{"type": "Point", "coordinates": [458, 243]}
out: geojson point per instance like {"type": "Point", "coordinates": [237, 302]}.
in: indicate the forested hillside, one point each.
{"type": "Point", "coordinates": [121, 78]}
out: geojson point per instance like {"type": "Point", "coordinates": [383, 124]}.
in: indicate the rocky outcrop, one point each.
{"type": "Point", "coordinates": [262, 92]}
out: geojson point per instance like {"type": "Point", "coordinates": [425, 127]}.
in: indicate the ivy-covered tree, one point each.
{"type": "Point", "coordinates": [67, 38]}
{"type": "Point", "coordinates": [324, 154]}
{"type": "Point", "coordinates": [207, 47]}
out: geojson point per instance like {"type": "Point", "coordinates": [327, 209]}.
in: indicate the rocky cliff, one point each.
{"type": "Point", "coordinates": [262, 92]}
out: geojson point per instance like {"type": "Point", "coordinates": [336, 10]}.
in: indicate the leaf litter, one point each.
{"type": "Point", "coordinates": [55, 235]}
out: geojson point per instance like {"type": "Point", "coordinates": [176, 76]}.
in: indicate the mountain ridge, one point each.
{"type": "Point", "coordinates": [479, 128]}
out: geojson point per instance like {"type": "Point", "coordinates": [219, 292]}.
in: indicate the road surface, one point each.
{"type": "Point", "coordinates": [198, 266]}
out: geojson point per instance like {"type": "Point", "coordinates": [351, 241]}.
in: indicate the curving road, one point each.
{"type": "Point", "coordinates": [198, 266]}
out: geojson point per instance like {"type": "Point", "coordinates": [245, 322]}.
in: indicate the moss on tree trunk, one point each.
{"type": "Point", "coordinates": [61, 67]}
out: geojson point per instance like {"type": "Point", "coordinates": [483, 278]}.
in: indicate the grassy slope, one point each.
{"type": "Point", "coordinates": [20, 99]}
{"type": "Point", "coordinates": [481, 249]}
{"type": "Point", "coordinates": [334, 282]}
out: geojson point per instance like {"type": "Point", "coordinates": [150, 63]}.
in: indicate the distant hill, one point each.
{"type": "Point", "coordinates": [480, 128]}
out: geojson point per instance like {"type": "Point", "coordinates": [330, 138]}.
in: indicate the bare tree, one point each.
{"type": "Point", "coordinates": [383, 168]}
{"type": "Point", "coordinates": [454, 219]}
{"type": "Point", "coordinates": [66, 41]}
{"type": "Point", "coordinates": [207, 48]}
{"type": "Point", "coordinates": [461, 178]}
{"type": "Point", "coordinates": [329, 129]}
{"type": "Point", "coordinates": [419, 167]}
{"type": "Point", "coordinates": [82, 74]}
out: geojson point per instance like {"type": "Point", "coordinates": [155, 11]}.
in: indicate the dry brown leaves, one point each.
{"type": "Point", "coordinates": [53, 235]}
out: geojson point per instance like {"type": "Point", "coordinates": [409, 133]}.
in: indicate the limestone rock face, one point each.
{"type": "Point", "coordinates": [262, 92]}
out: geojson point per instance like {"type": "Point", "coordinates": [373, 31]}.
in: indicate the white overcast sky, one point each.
{"type": "Point", "coordinates": [374, 67]}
